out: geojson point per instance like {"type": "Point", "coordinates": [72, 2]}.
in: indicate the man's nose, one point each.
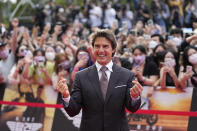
{"type": "Point", "coordinates": [101, 49]}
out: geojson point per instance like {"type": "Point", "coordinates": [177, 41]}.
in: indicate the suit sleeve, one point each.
{"type": "Point", "coordinates": [131, 105]}
{"type": "Point", "coordinates": [74, 106]}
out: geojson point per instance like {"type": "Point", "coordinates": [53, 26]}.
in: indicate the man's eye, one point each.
{"type": "Point", "coordinates": [96, 46]}
{"type": "Point", "coordinates": [106, 46]}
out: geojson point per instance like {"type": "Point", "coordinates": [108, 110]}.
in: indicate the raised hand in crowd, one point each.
{"type": "Point", "coordinates": [26, 34]}
{"type": "Point", "coordinates": [20, 70]}
{"type": "Point", "coordinates": [15, 23]}
{"type": "Point", "coordinates": [188, 72]}
{"type": "Point", "coordinates": [67, 42]}
{"type": "Point", "coordinates": [82, 62]}
{"type": "Point", "coordinates": [138, 72]}
{"type": "Point", "coordinates": [167, 69]}
{"type": "Point", "coordinates": [20, 64]}
{"type": "Point", "coordinates": [35, 30]}
{"type": "Point", "coordinates": [185, 77]}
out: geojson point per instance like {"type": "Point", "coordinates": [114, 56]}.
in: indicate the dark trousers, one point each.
{"type": "Point", "coordinates": [2, 90]}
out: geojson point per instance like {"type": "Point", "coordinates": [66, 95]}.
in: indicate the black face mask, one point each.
{"type": "Point", "coordinates": [159, 56]}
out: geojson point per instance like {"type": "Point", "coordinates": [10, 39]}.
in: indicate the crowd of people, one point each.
{"type": "Point", "coordinates": [157, 43]}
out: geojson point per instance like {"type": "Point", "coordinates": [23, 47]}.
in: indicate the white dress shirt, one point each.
{"type": "Point", "coordinates": [108, 72]}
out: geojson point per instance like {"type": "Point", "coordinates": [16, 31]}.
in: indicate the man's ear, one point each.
{"type": "Point", "coordinates": [113, 51]}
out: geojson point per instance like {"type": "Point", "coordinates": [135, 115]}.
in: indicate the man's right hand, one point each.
{"type": "Point", "coordinates": [63, 88]}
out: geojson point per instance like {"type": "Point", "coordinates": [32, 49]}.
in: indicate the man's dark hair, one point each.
{"type": "Point", "coordinates": [108, 34]}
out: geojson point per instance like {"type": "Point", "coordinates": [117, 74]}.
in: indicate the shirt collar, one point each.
{"type": "Point", "coordinates": [109, 66]}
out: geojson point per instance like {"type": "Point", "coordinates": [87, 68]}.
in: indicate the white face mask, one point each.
{"type": "Point", "coordinates": [193, 59]}
{"type": "Point", "coordinates": [61, 10]}
{"type": "Point", "coordinates": [50, 56]}
{"type": "Point", "coordinates": [169, 62]}
{"type": "Point", "coordinates": [177, 41]}
{"type": "Point", "coordinates": [152, 44]}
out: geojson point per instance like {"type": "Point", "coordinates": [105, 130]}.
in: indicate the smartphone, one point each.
{"type": "Point", "coordinates": [40, 64]}
{"type": "Point", "coordinates": [150, 22]}
{"type": "Point", "coordinates": [133, 32]}
{"type": "Point", "coordinates": [188, 68]}
{"type": "Point", "coordinates": [126, 50]}
{"type": "Point", "coordinates": [82, 54]}
{"type": "Point", "coordinates": [170, 37]}
{"type": "Point", "coordinates": [187, 30]}
{"type": "Point", "coordinates": [167, 64]}
{"type": "Point", "coordinates": [147, 37]}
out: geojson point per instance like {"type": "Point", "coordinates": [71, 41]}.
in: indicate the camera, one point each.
{"type": "Point", "coordinates": [41, 64]}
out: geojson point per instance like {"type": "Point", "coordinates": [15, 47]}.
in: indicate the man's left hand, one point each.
{"type": "Point", "coordinates": [136, 89]}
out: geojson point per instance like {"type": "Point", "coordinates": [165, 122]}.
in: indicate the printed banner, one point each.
{"type": "Point", "coordinates": [27, 118]}
{"type": "Point", "coordinates": [169, 99]}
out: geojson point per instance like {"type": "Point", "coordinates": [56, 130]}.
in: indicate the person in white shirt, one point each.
{"type": "Point", "coordinates": [95, 16]}
{"type": "Point", "coordinates": [110, 16]}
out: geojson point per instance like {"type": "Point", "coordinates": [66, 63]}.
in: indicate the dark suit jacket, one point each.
{"type": "Point", "coordinates": [99, 114]}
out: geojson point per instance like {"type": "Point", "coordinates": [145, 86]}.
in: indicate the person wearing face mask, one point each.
{"type": "Point", "coordinates": [7, 58]}
{"type": "Point", "coordinates": [83, 60]}
{"type": "Point", "coordinates": [158, 54]}
{"type": "Point", "coordinates": [145, 69]}
{"type": "Point", "coordinates": [177, 37]}
{"type": "Point", "coordinates": [178, 41]}
{"type": "Point", "coordinates": [50, 59]}
{"type": "Point", "coordinates": [59, 49]}
{"type": "Point", "coordinates": [188, 77]}
{"type": "Point", "coordinates": [62, 70]}
{"type": "Point", "coordinates": [156, 39]}
{"type": "Point", "coordinates": [37, 72]}
{"type": "Point", "coordinates": [152, 44]}
{"type": "Point", "coordinates": [16, 74]}
{"type": "Point", "coordinates": [170, 70]}
{"type": "Point", "coordinates": [6, 62]}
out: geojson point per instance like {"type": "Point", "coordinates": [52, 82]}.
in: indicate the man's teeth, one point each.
{"type": "Point", "coordinates": [101, 55]}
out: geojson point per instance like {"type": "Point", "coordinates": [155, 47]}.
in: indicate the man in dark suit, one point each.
{"type": "Point", "coordinates": [102, 90]}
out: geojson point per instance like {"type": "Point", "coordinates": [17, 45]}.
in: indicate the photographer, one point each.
{"type": "Point", "coordinates": [144, 69]}
{"type": "Point", "coordinates": [170, 70]}
{"type": "Point", "coordinates": [37, 72]}
{"type": "Point", "coordinates": [188, 76]}
{"type": "Point", "coordinates": [62, 69]}
{"type": "Point", "coordinates": [83, 60]}
{"type": "Point", "coordinates": [16, 78]}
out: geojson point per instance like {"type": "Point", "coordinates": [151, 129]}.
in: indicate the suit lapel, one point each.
{"type": "Point", "coordinates": [94, 79]}
{"type": "Point", "coordinates": [112, 82]}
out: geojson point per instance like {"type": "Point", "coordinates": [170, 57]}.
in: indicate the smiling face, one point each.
{"type": "Point", "coordinates": [103, 50]}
